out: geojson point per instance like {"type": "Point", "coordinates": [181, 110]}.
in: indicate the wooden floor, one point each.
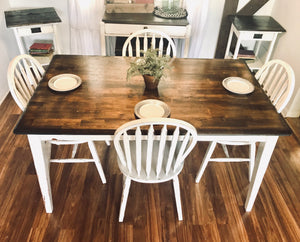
{"type": "Point", "coordinates": [87, 210]}
{"type": "Point", "coordinates": [294, 123]}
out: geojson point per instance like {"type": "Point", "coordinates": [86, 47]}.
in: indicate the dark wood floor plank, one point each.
{"type": "Point", "coordinates": [87, 210]}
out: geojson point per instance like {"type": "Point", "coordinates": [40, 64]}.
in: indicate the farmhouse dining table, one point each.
{"type": "Point", "coordinates": [105, 100]}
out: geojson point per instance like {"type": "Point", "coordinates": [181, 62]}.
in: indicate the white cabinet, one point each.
{"type": "Point", "coordinates": [124, 24]}
{"type": "Point", "coordinates": [30, 25]}
{"type": "Point", "coordinates": [262, 31]}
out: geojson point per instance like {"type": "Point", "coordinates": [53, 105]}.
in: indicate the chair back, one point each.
{"type": "Point", "coordinates": [277, 78]}
{"type": "Point", "coordinates": [24, 73]}
{"type": "Point", "coordinates": [149, 38]}
{"type": "Point", "coordinates": [148, 152]}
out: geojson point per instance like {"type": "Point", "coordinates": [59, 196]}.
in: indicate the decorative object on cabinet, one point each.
{"type": "Point", "coordinates": [173, 13]}
{"type": "Point", "coordinates": [30, 24]}
{"type": "Point", "coordinates": [253, 28]}
{"type": "Point", "coordinates": [170, 9]}
{"type": "Point", "coordinates": [40, 49]}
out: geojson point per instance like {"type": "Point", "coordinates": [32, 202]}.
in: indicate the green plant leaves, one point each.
{"type": "Point", "coordinates": [150, 64]}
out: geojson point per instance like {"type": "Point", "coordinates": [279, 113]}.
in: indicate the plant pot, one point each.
{"type": "Point", "coordinates": [150, 82]}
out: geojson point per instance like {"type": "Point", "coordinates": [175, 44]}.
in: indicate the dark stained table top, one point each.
{"type": "Point", "coordinates": [24, 17]}
{"type": "Point", "coordinates": [256, 23]}
{"type": "Point", "coordinates": [141, 18]}
{"type": "Point", "coordinates": [193, 90]}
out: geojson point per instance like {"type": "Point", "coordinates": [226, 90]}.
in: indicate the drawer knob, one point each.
{"type": "Point", "coordinates": [257, 36]}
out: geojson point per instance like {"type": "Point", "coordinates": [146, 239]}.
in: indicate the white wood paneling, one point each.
{"type": "Point", "coordinates": [287, 47]}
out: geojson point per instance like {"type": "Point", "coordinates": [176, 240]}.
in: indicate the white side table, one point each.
{"type": "Point", "coordinates": [33, 23]}
{"type": "Point", "coordinates": [253, 28]}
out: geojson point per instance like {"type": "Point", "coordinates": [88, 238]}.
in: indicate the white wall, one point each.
{"type": "Point", "coordinates": [8, 50]}
{"type": "Point", "coordinates": [288, 45]}
{"type": "Point", "coordinates": [265, 10]}
{"type": "Point", "coordinates": [212, 28]}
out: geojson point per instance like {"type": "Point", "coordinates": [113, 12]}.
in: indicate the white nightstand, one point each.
{"type": "Point", "coordinates": [33, 23]}
{"type": "Point", "coordinates": [253, 28]}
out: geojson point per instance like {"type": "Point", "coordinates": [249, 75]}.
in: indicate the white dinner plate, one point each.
{"type": "Point", "coordinates": [238, 85]}
{"type": "Point", "coordinates": [64, 82]}
{"type": "Point", "coordinates": [151, 108]}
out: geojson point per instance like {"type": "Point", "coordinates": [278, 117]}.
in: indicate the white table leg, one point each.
{"type": "Point", "coordinates": [19, 42]}
{"type": "Point", "coordinates": [237, 48]}
{"type": "Point", "coordinates": [264, 153]}
{"type": "Point", "coordinates": [229, 43]}
{"type": "Point", "coordinates": [41, 151]}
{"type": "Point", "coordinates": [102, 39]}
{"type": "Point", "coordinates": [271, 48]}
{"type": "Point", "coordinates": [55, 42]}
{"type": "Point", "coordinates": [187, 41]}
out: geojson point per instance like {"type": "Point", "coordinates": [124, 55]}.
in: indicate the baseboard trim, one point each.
{"type": "Point", "coordinates": [3, 98]}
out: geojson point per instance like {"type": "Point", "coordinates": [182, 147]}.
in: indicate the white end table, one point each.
{"type": "Point", "coordinates": [253, 28]}
{"type": "Point", "coordinates": [33, 22]}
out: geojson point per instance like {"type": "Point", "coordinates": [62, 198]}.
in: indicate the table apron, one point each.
{"type": "Point", "coordinates": [47, 137]}
{"type": "Point", "coordinates": [247, 138]}
{"type": "Point", "coordinates": [250, 138]}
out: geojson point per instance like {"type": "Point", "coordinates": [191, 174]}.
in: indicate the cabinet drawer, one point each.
{"type": "Point", "coordinates": [254, 35]}
{"type": "Point", "coordinates": [127, 29]}
{"type": "Point", "coordinates": [25, 31]}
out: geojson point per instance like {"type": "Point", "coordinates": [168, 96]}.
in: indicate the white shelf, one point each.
{"type": "Point", "coordinates": [255, 64]}
{"type": "Point", "coordinates": [44, 60]}
{"type": "Point", "coordinates": [28, 26]}
{"type": "Point", "coordinates": [257, 29]}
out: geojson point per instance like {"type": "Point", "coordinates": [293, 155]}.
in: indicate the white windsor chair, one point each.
{"type": "Point", "coordinates": [278, 81]}
{"type": "Point", "coordinates": [24, 74]}
{"type": "Point", "coordinates": [148, 39]}
{"type": "Point", "coordinates": [149, 153]}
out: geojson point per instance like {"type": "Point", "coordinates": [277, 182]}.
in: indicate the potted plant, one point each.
{"type": "Point", "coordinates": [151, 66]}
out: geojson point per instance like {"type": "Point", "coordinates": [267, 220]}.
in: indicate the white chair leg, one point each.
{"type": "Point", "coordinates": [206, 158]}
{"type": "Point", "coordinates": [97, 161]}
{"type": "Point", "coordinates": [126, 187]}
{"type": "Point", "coordinates": [225, 150]}
{"type": "Point", "coordinates": [252, 151]}
{"type": "Point", "coordinates": [75, 147]}
{"type": "Point", "coordinates": [177, 197]}
{"type": "Point", "coordinates": [107, 142]}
